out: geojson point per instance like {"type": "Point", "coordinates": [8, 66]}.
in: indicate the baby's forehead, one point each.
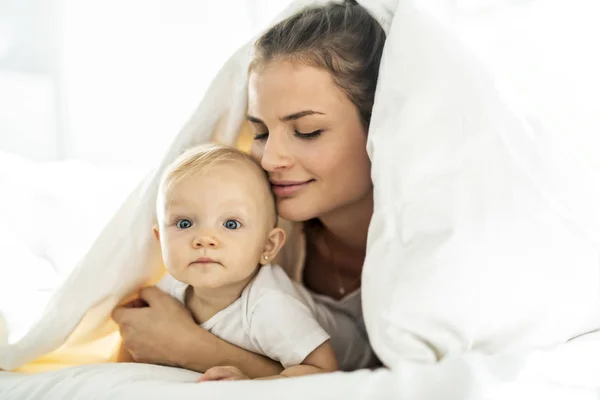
{"type": "Point", "coordinates": [248, 181]}
{"type": "Point", "coordinates": [241, 172]}
{"type": "Point", "coordinates": [256, 184]}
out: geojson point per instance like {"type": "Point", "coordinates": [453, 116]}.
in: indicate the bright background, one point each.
{"type": "Point", "coordinates": [92, 92]}
{"type": "Point", "coordinates": [111, 82]}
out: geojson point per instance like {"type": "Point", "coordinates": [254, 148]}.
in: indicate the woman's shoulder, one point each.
{"type": "Point", "coordinates": [291, 257]}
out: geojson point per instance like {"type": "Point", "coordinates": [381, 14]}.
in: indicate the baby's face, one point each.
{"type": "Point", "coordinates": [215, 226]}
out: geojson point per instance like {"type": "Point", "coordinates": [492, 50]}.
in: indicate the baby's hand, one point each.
{"type": "Point", "coordinates": [223, 374]}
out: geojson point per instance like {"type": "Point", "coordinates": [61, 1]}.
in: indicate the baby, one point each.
{"type": "Point", "coordinates": [218, 235]}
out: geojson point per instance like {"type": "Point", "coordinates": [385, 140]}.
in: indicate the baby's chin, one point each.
{"type": "Point", "coordinates": [208, 280]}
{"type": "Point", "coordinates": [185, 275]}
{"type": "Point", "coordinates": [199, 276]}
{"type": "Point", "coordinates": [204, 284]}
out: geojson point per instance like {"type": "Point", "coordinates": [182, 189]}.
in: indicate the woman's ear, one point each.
{"type": "Point", "coordinates": [275, 241]}
{"type": "Point", "coordinates": [156, 232]}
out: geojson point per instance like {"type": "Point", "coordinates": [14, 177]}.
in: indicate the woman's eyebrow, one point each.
{"type": "Point", "coordinates": [254, 120]}
{"type": "Point", "coordinates": [290, 117]}
{"type": "Point", "coordinates": [299, 115]}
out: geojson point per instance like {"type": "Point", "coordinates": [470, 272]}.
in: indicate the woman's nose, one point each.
{"type": "Point", "coordinates": [276, 155]}
{"type": "Point", "coordinates": [205, 240]}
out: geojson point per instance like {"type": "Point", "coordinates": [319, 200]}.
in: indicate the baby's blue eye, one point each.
{"type": "Point", "coordinates": [184, 224]}
{"type": "Point", "coordinates": [232, 224]}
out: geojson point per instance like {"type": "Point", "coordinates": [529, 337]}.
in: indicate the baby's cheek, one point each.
{"type": "Point", "coordinates": [251, 256]}
{"type": "Point", "coordinates": [171, 257]}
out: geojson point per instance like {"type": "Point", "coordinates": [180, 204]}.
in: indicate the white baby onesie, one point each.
{"type": "Point", "coordinates": [271, 317]}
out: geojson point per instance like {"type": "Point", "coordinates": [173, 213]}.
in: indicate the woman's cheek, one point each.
{"type": "Point", "coordinates": [256, 150]}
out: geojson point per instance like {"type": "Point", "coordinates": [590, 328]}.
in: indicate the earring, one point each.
{"type": "Point", "coordinates": [266, 258]}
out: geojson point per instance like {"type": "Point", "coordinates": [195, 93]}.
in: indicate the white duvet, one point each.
{"type": "Point", "coordinates": [484, 246]}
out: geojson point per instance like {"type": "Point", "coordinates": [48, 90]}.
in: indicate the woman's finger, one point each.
{"type": "Point", "coordinates": [118, 314]}
{"type": "Point", "coordinates": [120, 311]}
{"type": "Point", "coordinates": [152, 295]}
{"type": "Point", "coordinates": [135, 303]}
{"type": "Point", "coordinates": [123, 313]}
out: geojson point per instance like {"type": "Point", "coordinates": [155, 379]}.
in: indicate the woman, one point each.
{"type": "Point", "coordinates": [311, 91]}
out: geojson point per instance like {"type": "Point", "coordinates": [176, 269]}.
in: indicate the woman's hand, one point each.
{"type": "Point", "coordinates": [157, 329]}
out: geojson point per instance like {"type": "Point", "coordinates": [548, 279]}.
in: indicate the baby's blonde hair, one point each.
{"type": "Point", "coordinates": [202, 158]}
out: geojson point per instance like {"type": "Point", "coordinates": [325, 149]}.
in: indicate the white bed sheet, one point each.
{"type": "Point", "coordinates": [569, 372]}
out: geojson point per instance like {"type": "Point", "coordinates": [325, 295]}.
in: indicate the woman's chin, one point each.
{"type": "Point", "coordinates": [293, 210]}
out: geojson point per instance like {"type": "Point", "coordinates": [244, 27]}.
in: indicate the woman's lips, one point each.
{"type": "Point", "coordinates": [288, 188]}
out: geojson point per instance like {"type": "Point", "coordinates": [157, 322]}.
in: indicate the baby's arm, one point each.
{"type": "Point", "coordinates": [322, 359]}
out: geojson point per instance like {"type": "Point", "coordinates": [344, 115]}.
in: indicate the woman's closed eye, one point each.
{"type": "Point", "coordinates": [298, 134]}
{"type": "Point", "coordinates": [261, 136]}
{"type": "Point", "coordinates": [309, 135]}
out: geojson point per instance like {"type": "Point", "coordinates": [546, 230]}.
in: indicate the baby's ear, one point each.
{"type": "Point", "coordinates": [156, 232]}
{"type": "Point", "coordinates": [275, 241]}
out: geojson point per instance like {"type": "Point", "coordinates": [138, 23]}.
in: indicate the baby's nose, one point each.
{"type": "Point", "coordinates": [205, 240]}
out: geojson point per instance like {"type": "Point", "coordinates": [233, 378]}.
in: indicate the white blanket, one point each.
{"type": "Point", "coordinates": [50, 214]}
{"type": "Point", "coordinates": [486, 231]}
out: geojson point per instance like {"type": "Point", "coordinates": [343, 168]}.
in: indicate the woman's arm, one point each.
{"type": "Point", "coordinates": [163, 332]}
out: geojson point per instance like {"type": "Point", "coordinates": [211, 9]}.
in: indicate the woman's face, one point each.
{"type": "Point", "coordinates": [310, 140]}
